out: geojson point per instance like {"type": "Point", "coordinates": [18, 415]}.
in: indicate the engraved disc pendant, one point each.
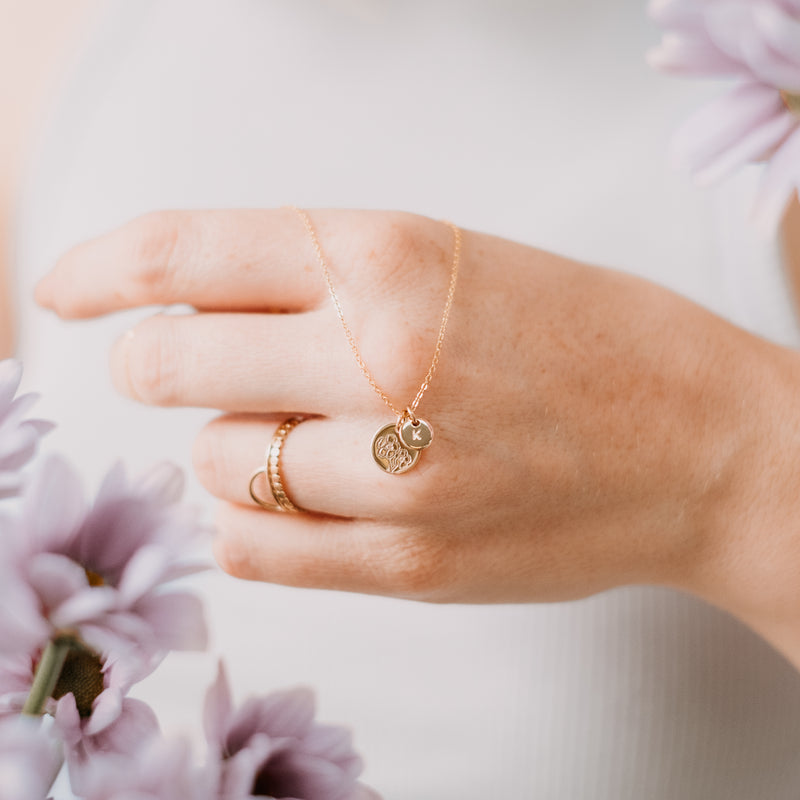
{"type": "Point", "coordinates": [416, 434]}
{"type": "Point", "coordinates": [390, 454]}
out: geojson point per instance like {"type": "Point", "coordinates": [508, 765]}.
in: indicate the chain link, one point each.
{"type": "Point", "coordinates": [409, 410]}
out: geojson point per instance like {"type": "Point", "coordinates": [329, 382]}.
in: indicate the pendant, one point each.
{"type": "Point", "coordinates": [390, 454]}
{"type": "Point", "coordinates": [415, 433]}
{"type": "Point", "coordinates": [396, 447]}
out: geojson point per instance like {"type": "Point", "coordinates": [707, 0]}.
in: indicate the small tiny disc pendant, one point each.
{"type": "Point", "coordinates": [390, 454]}
{"type": "Point", "coordinates": [416, 434]}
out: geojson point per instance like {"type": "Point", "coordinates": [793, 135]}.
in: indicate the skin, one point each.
{"type": "Point", "coordinates": [592, 429]}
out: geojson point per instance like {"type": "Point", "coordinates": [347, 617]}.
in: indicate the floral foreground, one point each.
{"type": "Point", "coordinates": [88, 608]}
{"type": "Point", "coordinates": [269, 747]}
{"type": "Point", "coordinates": [756, 43]}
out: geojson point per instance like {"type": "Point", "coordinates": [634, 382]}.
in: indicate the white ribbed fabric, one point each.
{"type": "Point", "coordinates": [530, 120]}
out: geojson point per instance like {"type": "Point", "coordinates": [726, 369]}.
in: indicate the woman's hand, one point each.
{"type": "Point", "coordinates": [592, 429]}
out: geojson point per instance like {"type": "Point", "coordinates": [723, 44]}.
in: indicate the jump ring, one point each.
{"type": "Point", "coordinates": [256, 499]}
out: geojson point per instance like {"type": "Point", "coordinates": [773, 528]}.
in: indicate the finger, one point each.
{"type": "Point", "coordinates": [326, 466]}
{"type": "Point", "coordinates": [238, 362]}
{"type": "Point", "coordinates": [253, 259]}
{"type": "Point", "coordinates": [210, 259]}
{"type": "Point", "coordinates": [324, 553]}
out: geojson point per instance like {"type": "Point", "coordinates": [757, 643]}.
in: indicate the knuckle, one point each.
{"type": "Point", "coordinates": [411, 568]}
{"type": "Point", "coordinates": [407, 243]}
{"type": "Point", "coordinates": [154, 244]}
{"type": "Point", "coordinates": [209, 458]}
{"type": "Point", "coordinates": [232, 559]}
{"type": "Point", "coordinates": [229, 549]}
{"type": "Point", "coordinates": [153, 362]}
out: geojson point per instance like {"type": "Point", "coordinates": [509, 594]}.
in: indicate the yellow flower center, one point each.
{"type": "Point", "coordinates": [791, 101]}
{"type": "Point", "coordinates": [93, 578]}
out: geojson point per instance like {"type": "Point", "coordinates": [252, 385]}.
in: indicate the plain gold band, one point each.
{"type": "Point", "coordinates": [254, 494]}
{"type": "Point", "coordinates": [272, 471]}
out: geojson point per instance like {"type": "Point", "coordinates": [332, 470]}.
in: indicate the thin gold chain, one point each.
{"type": "Point", "coordinates": [351, 339]}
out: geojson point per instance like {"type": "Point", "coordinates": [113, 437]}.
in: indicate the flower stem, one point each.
{"type": "Point", "coordinates": [47, 674]}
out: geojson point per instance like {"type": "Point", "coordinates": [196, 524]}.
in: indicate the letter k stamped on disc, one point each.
{"type": "Point", "coordinates": [416, 434]}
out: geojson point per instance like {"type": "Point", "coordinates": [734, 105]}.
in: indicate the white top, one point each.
{"type": "Point", "coordinates": [532, 120]}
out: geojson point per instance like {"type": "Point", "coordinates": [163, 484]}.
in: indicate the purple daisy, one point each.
{"type": "Point", "coordinates": [19, 437]}
{"type": "Point", "coordinates": [98, 572]}
{"type": "Point", "coordinates": [29, 759]}
{"type": "Point", "coordinates": [272, 747]}
{"type": "Point", "coordinates": [756, 43]}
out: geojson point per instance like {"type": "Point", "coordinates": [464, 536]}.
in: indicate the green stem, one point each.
{"type": "Point", "coordinates": [47, 675]}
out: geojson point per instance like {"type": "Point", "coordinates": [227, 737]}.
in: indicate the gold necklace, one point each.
{"type": "Point", "coordinates": [396, 447]}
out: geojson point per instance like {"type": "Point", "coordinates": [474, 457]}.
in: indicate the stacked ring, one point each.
{"type": "Point", "coordinates": [272, 471]}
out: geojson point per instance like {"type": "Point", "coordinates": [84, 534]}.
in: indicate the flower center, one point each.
{"type": "Point", "coordinates": [93, 578]}
{"type": "Point", "coordinates": [791, 101]}
{"type": "Point", "coordinates": [278, 777]}
{"type": "Point", "coordinates": [82, 674]}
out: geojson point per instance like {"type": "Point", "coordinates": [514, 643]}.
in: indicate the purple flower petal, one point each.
{"type": "Point", "coordinates": [106, 710]}
{"type": "Point", "coordinates": [280, 714]}
{"type": "Point", "coordinates": [83, 606]}
{"type": "Point", "coordinates": [22, 628]}
{"type": "Point", "coordinates": [217, 710]}
{"type": "Point", "coordinates": [779, 30]}
{"type": "Point", "coordinates": [758, 40]}
{"type": "Point", "coordinates": [240, 770]}
{"type": "Point", "coordinates": [680, 14]}
{"type": "Point", "coordinates": [778, 185]}
{"type": "Point", "coordinates": [135, 725]}
{"type": "Point", "coordinates": [692, 56]}
{"type": "Point", "coordinates": [29, 759]}
{"type": "Point", "coordinates": [161, 770]}
{"type": "Point", "coordinates": [15, 412]}
{"type": "Point", "coordinates": [19, 437]}
{"type": "Point", "coordinates": [53, 507]}
{"type": "Point", "coordinates": [755, 146]}
{"type": "Point", "coordinates": [55, 578]}
{"type": "Point", "coordinates": [10, 377]}
{"type": "Point", "coordinates": [144, 570]}
{"type": "Point", "coordinates": [164, 483]}
{"type": "Point", "coordinates": [272, 747]}
{"type": "Point", "coordinates": [770, 67]}
{"type": "Point", "coordinates": [177, 620]}
{"type": "Point", "coordinates": [16, 675]}
{"type": "Point", "coordinates": [729, 27]}
{"type": "Point", "coordinates": [724, 123]}
{"type": "Point", "coordinates": [334, 743]}
{"type": "Point", "coordinates": [10, 484]}
{"type": "Point", "coordinates": [68, 721]}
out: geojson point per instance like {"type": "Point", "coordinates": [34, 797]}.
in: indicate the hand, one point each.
{"type": "Point", "coordinates": [592, 429]}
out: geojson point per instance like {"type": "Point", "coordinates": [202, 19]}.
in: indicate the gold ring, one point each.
{"type": "Point", "coordinates": [256, 499]}
{"type": "Point", "coordinates": [272, 471]}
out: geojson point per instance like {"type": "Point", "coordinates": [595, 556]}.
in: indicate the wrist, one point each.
{"type": "Point", "coordinates": [745, 557]}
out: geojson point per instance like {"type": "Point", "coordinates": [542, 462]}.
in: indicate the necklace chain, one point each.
{"type": "Point", "coordinates": [349, 334]}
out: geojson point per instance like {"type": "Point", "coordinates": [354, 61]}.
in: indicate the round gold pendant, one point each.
{"type": "Point", "coordinates": [415, 434]}
{"type": "Point", "coordinates": [390, 454]}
